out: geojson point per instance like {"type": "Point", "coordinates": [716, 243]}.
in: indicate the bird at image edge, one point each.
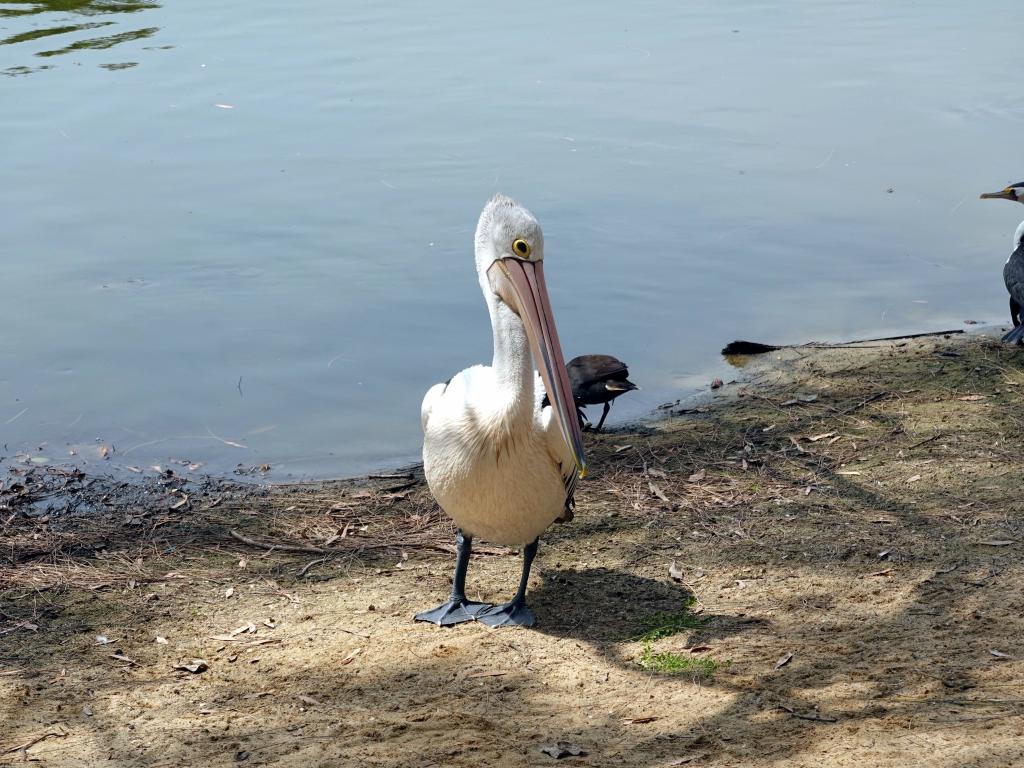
{"type": "Point", "coordinates": [1013, 271]}
{"type": "Point", "coordinates": [500, 464]}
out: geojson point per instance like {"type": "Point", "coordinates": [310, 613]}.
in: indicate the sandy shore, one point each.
{"type": "Point", "coordinates": [817, 566]}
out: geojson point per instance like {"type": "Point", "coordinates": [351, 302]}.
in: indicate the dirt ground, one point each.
{"type": "Point", "coordinates": [847, 523]}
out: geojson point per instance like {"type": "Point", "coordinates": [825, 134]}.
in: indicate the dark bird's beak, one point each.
{"type": "Point", "coordinates": [1005, 194]}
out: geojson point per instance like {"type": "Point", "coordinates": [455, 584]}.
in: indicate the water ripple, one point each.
{"type": "Point", "coordinates": [49, 19]}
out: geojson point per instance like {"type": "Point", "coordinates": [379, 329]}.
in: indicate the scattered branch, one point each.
{"type": "Point", "coordinates": [32, 742]}
{"type": "Point", "coordinates": [272, 546]}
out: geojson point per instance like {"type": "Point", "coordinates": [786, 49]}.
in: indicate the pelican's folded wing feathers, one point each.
{"type": "Point", "coordinates": [558, 450]}
{"type": "Point", "coordinates": [430, 402]}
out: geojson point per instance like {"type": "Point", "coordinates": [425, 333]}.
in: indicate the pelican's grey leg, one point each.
{"type": "Point", "coordinates": [458, 609]}
{"type": "Point", "coordinates": [514, 613]}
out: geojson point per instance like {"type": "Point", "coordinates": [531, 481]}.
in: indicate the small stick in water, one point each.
{"type": "Point", "coordinates": [756, 348]}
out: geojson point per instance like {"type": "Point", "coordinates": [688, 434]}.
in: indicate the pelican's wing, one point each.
{"type": "Point", "coordinates": [430, 400]}
{"type": "Point", "coordinates": [559, 452]}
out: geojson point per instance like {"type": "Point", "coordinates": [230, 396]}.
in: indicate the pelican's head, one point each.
{"type": "Point", "coordinates": [507, 230]}
{"type": "Point", "coordinates": [1012, 192]}
{"type": "Point", "coordinates": [510, 262]}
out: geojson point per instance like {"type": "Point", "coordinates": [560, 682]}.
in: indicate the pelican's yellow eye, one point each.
{"type": "Point", "coordinates": [522, 248]}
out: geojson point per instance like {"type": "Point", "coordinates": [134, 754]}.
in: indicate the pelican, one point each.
{"type": "Point", "coordinates": [1013, 271]}
{"type": "Point", "coordinates": [500, 465]}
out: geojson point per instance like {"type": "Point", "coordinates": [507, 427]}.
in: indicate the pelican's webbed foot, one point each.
{"type": "Point", "coordinates": [513, 614]}
{"type": "Point", "coordinates": [457, 609]}
{"type": "Point", "coordinates": [453, 612]}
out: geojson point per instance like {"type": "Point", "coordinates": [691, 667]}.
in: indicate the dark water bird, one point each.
{"type": "Point", "coordinates": [1013, 271]}
{"type": "Point", "coordinates": [598, 379]}
{"type": "Point", "coordinates": [502, 466]}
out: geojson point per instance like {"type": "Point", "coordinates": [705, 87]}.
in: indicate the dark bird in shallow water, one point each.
{"type": "Point", "coordinates": [597, 379]}
{"type": "Point", "coordinates": [1013, 271]}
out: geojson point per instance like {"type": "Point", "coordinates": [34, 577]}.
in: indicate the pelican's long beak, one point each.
{"type": "Point", "coordinates": [527, 280]}
{"type": "Point", "coordinates": [1003, 194]}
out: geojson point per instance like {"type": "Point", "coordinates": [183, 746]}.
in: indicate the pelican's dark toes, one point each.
{"type": "Point", "coordinates": [453, 612]}
{"type": "Point", "coordinates": [508, 615]}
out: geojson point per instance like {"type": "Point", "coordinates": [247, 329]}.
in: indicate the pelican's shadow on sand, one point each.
{"type": "Point", "coordinates": [604, 607]}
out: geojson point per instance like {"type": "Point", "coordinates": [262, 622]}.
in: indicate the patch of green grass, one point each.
{"type": "Point", "coordinates": [668, 663]}
{"type": "Point", "coordinates": [668, 623]}
{"type": "Point", "coordinates": [665, 624]}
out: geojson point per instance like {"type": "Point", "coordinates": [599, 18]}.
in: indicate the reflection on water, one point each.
{"type": "Point", "coordinates": [59, 19]}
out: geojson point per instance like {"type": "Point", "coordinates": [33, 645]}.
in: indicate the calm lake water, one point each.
{"type": "Point", "coordinates": [233, 224]}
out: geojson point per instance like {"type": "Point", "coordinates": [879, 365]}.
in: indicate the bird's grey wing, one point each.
{"type": "Point", "coordinates": [1013, 274]}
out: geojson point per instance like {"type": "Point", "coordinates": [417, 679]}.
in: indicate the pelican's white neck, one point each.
{"type": "Point", "coordinates": [512, 363]}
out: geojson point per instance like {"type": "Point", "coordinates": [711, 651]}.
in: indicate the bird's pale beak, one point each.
{"type": "Point", "coordinates": [1003, 194]}
{"type": "Point", "coordinates": [527, 280]}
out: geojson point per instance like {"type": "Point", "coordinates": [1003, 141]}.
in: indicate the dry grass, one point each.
{"type": "Point", "coordinates": [62, 530]}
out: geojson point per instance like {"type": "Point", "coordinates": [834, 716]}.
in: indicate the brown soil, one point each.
{"type": "Point", "coordinates": [855, 559]}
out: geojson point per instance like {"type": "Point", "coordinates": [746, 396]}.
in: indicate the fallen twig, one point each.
{"type": "Point", "coordinates": [31, 742]}
{"type": "Point", "coordinates": [497, 551]}
{"type": "Point", "coordinates": [310, 564]}
{"type": "Point", "coordinates": [353, 632]}
{"type": "Point", "coordinates": [20, 625]}
{"type": "Point", "coordinates": [925, 442]}
{"type": "Point", "coordinates": [281, 547]}
{"type": "Point", "coordinates": [271, 546]}
{"type": "Point", "coordinates": [440, 547]}
{"type": "Point", "coordinates": [813, 717]}
{"type": "Point", "coordinates": [401, 486]}
{"type": "Point", "coordinates": [869, 399]}
{"type": "Point", "coordinates": [757, 348]}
